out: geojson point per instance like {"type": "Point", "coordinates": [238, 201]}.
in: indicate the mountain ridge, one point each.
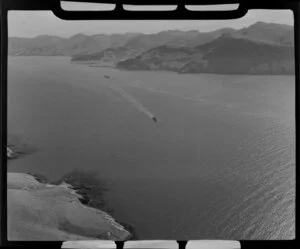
{"type": "Point", "coordinates": [82, 43]}
{"type": "Point", "coordinates": [260, 48]}
{"type": "Point", "coordinates": [224, 55]}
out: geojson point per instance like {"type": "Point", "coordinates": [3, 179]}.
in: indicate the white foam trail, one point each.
{"type": "Point", "coordinates": [132, 100]}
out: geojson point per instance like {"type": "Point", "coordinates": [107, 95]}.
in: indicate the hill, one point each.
{"type": "Point", "coordinates": [261, 48]}
{"type": "Point", "coordinates": [84, 44]}
{"type": "Point", "coordinates": [225, 55]}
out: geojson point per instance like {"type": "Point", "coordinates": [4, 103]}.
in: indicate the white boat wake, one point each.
{"type": "Point", "coordinates": [138, 105]}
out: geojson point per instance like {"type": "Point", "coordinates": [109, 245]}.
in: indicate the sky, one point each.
{"type": "Point", "coordinates": [34, 23]}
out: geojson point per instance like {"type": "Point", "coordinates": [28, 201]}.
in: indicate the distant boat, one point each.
{"type": "Point", "coordinates": [106, 76]}
{"type": "Point", "coordinates": [155, 119]}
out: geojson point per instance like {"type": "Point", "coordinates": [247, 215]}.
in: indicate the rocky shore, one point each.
{"type": "Point", "coordinates": [83, 189]}
{"type": "Point", "coordinates": [10, 153]}
{"type": "Point", "coordinates": [38, 210]}
{"type": "Point", "coordinates": [14, 151]}
{"type": "Point", "coordinates": [91, 190]}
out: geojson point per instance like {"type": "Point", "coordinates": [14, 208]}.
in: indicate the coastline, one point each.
{"type": "Point", "coordinates": [96, 64]}
{"type": "Point", "coordinates": [31, 195]}
{"type": "Point", "coordinates": [14, 153]}
{"type": "Point", "coordinates": [43, 211]}
{"type": "Point", "coordinates": [10, 153]}
{"type": "Point", "coordinates": [18, 147]}
{"type": "Point", "coordinates": [90, 190]}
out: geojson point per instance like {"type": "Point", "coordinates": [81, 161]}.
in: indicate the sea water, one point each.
{"type": "Point", "coordinates": [220, 164]}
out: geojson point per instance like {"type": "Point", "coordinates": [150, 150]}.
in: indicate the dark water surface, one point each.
{"type": "Point", "coordinates": [221, 164]}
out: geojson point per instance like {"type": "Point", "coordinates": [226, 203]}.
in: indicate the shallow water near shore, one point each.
{"type": "Point", "coordinates": [221, 164]}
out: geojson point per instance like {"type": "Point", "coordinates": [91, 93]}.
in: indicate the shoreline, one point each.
{"type": "Point", "coordinates": [13, 153]}
{"type": "Point", "coordinates": [55, 212]}
{"type": "Point", "coordinates": [9, 153]}
{"type": "Point", "coordinates": [16, 148]}
{"type": "Point", "coordinates": [86, 191]}
{"type": "Point", "coordinates": [93, 64]}
{"type": "Point", "coordinates": [70, 187]}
